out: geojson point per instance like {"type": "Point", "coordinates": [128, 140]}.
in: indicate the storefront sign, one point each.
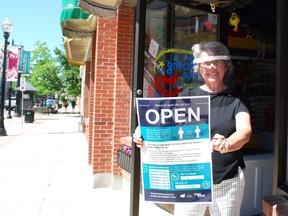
{"type": "Point", "coordinates": [176, 156]}
{"type": "Point", "coordinates": [167, 71]}
{"type": "Point", "coordinates": [175, 71]}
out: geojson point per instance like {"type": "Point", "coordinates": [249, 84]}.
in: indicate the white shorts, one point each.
{"type": "Point", "coordinates": [227, 197]}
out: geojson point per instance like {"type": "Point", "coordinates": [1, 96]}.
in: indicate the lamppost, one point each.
{"type": "Point", "coordinates": [6, 27]}
{"type": "Point", "coordinates": [9, 116]}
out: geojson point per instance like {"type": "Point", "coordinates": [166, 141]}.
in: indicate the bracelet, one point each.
{"type": "Point", "coordinates": [229, 144]}
{"type": "Point", "coordinates": [225, 145]}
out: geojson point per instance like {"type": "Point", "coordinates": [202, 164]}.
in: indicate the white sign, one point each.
{"type": "Point", "coordinates": [212, 18]}
{"type": "Point", "coordinates": [153, 48]}
{"type": "Point", "coordinates": [22, 84]}
{"type": "Point", "coordinates": [26, 96]}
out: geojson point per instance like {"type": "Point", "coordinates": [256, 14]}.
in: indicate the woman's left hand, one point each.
{"type": "Point", "coordinates": [220, 143]}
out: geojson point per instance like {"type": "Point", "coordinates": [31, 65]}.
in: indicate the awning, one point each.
{"type": "Point", "coordinates": [78, 21]}
{"type": "Point", "coordinates": [104, 8]}
{"type": "Point", "coordinates": [77, 29]}
{"type": "Point", "coordinates": [78, 50]}
{"type": "Point", "coordinates": [74, 21]}
{"type": "Point", "coordinates": [129, 3]}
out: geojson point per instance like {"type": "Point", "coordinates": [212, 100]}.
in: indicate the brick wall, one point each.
{"type": "Point", "coordinates": [275, 205]}
{"type": "Point", "coordinates": [109, 93]}
{"type": "Point", "coordinates": [89, 101]}
{"type": "Point", "coordinates": [103, 95]}
{"type": "Point", "coordinates": [125, 46]}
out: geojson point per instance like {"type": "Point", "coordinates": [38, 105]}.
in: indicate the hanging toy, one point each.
{"type": "Point", "coordinates": [213, 6]}
{"type": "Point", "coordinates": [234, 21]}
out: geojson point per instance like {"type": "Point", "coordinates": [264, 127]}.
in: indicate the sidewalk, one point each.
{"type": "Point", "coordinates": [44, 172]}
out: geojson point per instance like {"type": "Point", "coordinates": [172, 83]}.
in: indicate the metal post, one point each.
{"type": "Point", "coordinates": [138, 74]}
{"type": "Point", "coordinates": [3, 82]}
{"type": "Point", "coordinates": [9, 116]}
{"type": "Point", "coordinates": [18, 97]}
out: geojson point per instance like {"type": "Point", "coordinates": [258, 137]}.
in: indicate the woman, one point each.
{"type": "Point", "coordinates": [230, 131]}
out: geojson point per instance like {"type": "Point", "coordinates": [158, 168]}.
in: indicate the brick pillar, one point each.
{"type": "Point", "coordinates": [89, 101]}
{"type": "Point", "coordinates": [110, 89]}
{"type": "Point", "coordinates": [125, 46]}
{"type": "Point", "coordinates": [103, 117]}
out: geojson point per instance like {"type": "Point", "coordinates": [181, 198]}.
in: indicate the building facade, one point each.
{"type": "Point", "coordinates": [118, 46]}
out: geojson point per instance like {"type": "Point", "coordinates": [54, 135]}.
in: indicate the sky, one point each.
{"type": "Point", "coordinates": [33, 20]}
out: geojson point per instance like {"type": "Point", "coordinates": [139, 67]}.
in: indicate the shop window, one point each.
{"type": "Point", "coordinates": [192, 26]}
{"type": "Point", "coordinates": [171, 31]}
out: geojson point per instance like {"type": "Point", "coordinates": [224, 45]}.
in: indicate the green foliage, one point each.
{"type": "Point", "coordinates": [45, 78]}
{"type": "Point", "coordinates": [44, 75]}
{"type": "Point", "coordinates": [72, 82]}
{"type": "Point", "coordinates": [69, 75]}
{"type": "Point", "coordinates": [50, 75]}
{"type": "Point", "coordinates": [40, 55]}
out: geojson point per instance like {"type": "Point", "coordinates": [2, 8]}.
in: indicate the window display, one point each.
{"type": "Point", "coordinates": [168, 57]}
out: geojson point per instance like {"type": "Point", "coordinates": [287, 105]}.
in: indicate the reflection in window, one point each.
{"type": "Point", "coordinates": [192, 26]}
{"type": "Point", "coordinates": [171, 31]}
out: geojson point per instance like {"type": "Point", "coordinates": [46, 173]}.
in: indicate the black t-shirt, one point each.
{"type": "Point", "coordinates": [224, 107]}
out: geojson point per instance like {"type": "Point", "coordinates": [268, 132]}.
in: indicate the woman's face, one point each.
{"type": "Point", "coordinates": [212, 71]}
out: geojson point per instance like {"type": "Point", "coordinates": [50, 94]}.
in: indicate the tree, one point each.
{"type": "Point", "coordinates": [46, 79]}
{"type": "Point", "coordinates": [69, 75]}
{"type": "Point", "coordinates": [50, 75]}
{"type": "Point", "coordinates": [44, 71]}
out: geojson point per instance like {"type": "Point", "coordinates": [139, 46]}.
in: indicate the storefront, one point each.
{"type": "Point", "coordinates": [249, 29]}
{"type": "Point", "coordinates": [161, 67]}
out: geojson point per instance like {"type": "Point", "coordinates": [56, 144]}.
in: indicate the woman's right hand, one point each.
{"type": "Point", "coordinates": [137, 138]}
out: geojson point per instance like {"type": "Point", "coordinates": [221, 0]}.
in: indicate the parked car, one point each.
{"type": "Point", "coordinates": [13, 103]}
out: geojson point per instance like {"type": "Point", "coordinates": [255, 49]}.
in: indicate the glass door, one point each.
{"type": "Point", "coordinates": [171, 31]}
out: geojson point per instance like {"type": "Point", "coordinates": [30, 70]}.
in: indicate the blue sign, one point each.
{"type": "Point", "coordinates": [176, 156]}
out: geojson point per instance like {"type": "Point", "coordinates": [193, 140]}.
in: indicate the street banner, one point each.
{"type": "Point", "coordinates": [13, 63]}
{"type": "Point", "coordinates": [176, 160]}
{"type": "Point", "coordinates": [24, 65]}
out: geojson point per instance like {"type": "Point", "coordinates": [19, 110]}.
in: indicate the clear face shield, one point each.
{"type": "Point", "coordinates": [210, 59]}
